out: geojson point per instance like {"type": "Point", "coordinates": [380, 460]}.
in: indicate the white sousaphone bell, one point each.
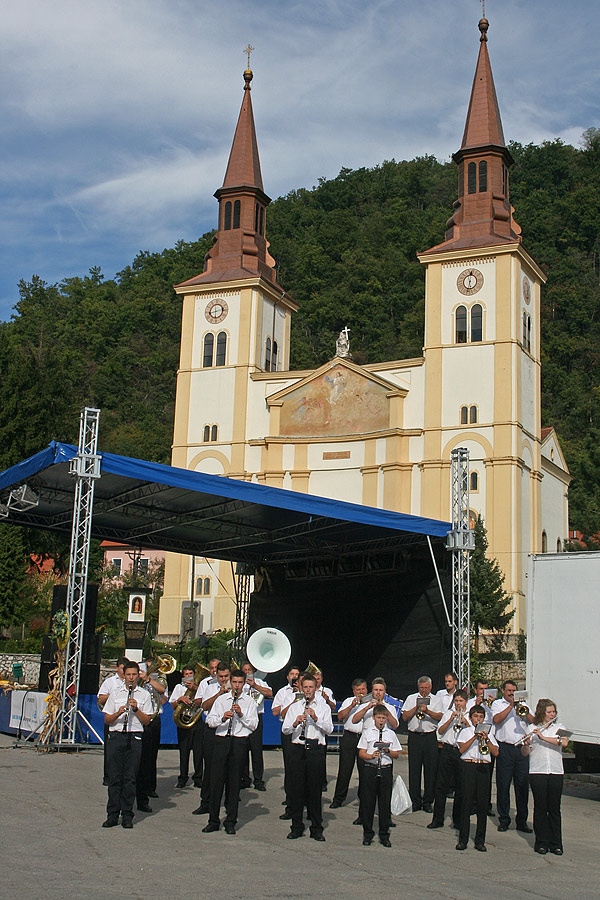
{"type": "Point", "coordinates": [268, 649]}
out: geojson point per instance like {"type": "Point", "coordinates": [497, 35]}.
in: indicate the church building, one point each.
{"type": "Point", "coordinates": [379, 434]}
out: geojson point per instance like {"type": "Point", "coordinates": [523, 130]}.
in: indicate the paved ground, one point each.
{"type": "Point", "coordinates": [53, 846]}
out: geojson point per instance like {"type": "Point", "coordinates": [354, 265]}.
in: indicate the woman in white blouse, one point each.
{"type": "Point", "coordinates": [544, 747]}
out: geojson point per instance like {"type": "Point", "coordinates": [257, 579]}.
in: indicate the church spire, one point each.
{"type": "Point", "coordinates": [240, 249]}
{"type": "Point", "coordinates": [482, 213]}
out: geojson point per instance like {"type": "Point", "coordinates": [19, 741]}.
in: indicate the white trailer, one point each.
{"type": "Point", "coordinates": [563, 640]}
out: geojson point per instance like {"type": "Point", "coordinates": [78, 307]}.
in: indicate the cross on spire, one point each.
{"type": "Point", "coordinates": [248, 50]}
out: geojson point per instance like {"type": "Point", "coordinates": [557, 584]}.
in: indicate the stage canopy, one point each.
{"type": "Point", "coordinates": [165, 508]}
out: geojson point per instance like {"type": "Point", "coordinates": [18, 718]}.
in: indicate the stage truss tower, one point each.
{"type": "Point", "coordinates": [85, 467]}
{"type": "Point", "coordinates": [461, 542]}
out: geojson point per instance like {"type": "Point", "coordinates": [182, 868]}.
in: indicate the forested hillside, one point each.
{"type": "Point", "coordinates": [346, 253]}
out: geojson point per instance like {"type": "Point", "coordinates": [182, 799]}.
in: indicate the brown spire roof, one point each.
{"type": "Point", "coordinates": [483, 125]}
{"type": "Point", "coordinates": [243, 167]}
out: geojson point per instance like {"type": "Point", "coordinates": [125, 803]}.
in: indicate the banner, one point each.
{"type": "Point", "coordinates": [27, 710]}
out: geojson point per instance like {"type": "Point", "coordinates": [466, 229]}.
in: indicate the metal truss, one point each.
{"type": "Point", "coordinates": [85, 467]}
{"type": "Point", "coordinates": [461, 542]}
{"type": "Point", "coordinates": [243, 580]}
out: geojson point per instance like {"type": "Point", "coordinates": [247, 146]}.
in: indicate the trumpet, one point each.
{"type": "Point", "coordinates": [521, 709]}
{"type": "Point", "coordinates": [484, 746]}
{"type": "Point", "coordinates": [421, 711]}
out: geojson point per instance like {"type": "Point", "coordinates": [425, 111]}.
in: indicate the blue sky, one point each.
{"type": "Point", "coordinates": [117, 116]}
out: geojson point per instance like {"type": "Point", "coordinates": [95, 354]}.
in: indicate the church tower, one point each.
{"type": "Point", "coordinates": [235, 323]}
{"type": "Point", "coordinates": [482, 347]}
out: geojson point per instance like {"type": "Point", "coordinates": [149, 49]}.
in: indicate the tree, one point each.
{"type": "Point", "coordinates": [488, 598]}
{"type": "Point", "coordinates": [13, 574]}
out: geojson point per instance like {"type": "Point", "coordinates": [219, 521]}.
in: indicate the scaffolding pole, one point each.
{"type": "Point", "coordinates": [85, 467]}
{"type": "Point", "coordinates": [243, 580]}
{"type": "Point", "coordinates": [461, 542]}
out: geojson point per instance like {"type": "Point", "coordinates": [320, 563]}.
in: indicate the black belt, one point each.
{"type": "Point", "coordinates": [309, 743]}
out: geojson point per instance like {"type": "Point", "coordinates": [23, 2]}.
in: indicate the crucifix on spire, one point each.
{"type": "Point", "coordinates": [342, 345]}
{"type": "Point", "coordinates": [483, 9]}
{"type": "Point", "coordinates": [248, 50]}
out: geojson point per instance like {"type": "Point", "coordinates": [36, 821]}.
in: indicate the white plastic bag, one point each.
{"type": "Point", "coordinates": [401, 802]}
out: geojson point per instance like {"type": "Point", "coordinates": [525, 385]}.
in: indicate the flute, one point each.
{"type": "Point", "coordinates": [526, 737]}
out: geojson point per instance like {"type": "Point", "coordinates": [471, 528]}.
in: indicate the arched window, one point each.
{"type": "Point", "coordinates": [461, 325]}
{"type": "Point", "coordinates": [256, 216]}
{"type": "Point", "coordinates": [262, 220]}
{"type": "Point", "coordinates": [198, 587]}
{"type": "Point", "coordinates": [464, 415]}
{"type": "Point", "coordinates": [221, 348]}
{"type": "Point", "coordinates": [473, 415]}
{"type": "Point", "coordinates": [474, 485]}
{"type": "Point", "coordinates": [476, 322]}
{"type": "Point", "coordinates": [529, 333]}
{"type": "Point", "coordinates": [207, 586]}
{"type": "Point", "coordinates": [236, 214]}
{"type": "Point", "coordinates": [482, 176]}
{"type": "Point", "coordinates": [274, 357]}
{"type": "Point", "coordinates": [524, 328]}
{"type": "Point", "coordinates": [268, 355]}
{"type": "Point", "coordinates": [206, 433]}
{"type": "Point", "coordinates": [544, 542]}
{"type": "Point", "coordinates": [472, 178]}
{"type": "Point", "coordinates": [558, 546]}
{"type": "Point", "coordinates": [207, 356]}
{"type": "Point", "coordinates": [227, 223]}
{"type": "Point", "coordinates": [213, 433]}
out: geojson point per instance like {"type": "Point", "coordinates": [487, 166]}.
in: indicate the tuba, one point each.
{"type": "Point", "coordinates": [186, 716]}
{"type": "Point", "coordinates": [164, 665]}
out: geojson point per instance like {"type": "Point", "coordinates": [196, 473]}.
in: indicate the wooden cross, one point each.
{"type": "Point", "coordinates": [248, 50]}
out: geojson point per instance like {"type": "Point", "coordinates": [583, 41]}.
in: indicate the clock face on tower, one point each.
{"type": "Point", "coordinates": [216, 311]}
{"type": "Point", "coordinates": [469, 281]}
{"type": "Point", "coordinates": [526, 290]}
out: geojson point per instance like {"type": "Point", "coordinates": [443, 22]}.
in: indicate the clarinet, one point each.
{"type": "Point", "coordinates": [302, 735]}
{"type": "Point", "coordinates": [234, 701]}
{"type": "Point", "coordinates": [378, 775]}
{"type": "Point", "coordinates": [128, 706]}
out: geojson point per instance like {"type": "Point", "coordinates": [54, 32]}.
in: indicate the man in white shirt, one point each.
{"type": "Point", "coordinates": [479, 700]}
{"type": "Point", "coordinates": [446, 694]}
{"type": "Point", "coordinates": [448, 773]}
{"type": "Point", "coordinates": [422, 711]}
{"type": "Point", "coordinates": [349, 741]}
{"type": "Point", "coordinates": [233, 717]}
{"type": "Point", "coordinates": [308, 722]}
{"type": "Point", "coordinates": [327, 695]}
{"type": "Point", "coordinates": [258, 690]}
{"type": "Point", "coordinates": [207, 693]}
{"type": "Point", "coordinates": [511, 765]}
{"type": "Point", "coordinates": [189, 739]}
{"type": "Point", "coordinates": [284, 697]}
{"type": "Point", "coordinates": [156, 687]}
{"type": "Point", "coordinates": [126, 711]}
{"type": "Point", "coordinates": [364, 717]}
{"type": "Point", "coordinates": [113, 681]}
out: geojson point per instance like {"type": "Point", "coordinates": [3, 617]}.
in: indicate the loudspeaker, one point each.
{"type": "Point", "coordinates": [89, 675]}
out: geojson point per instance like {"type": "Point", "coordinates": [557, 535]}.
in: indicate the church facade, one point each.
{"type": "Point", "coordinates": [378, 434]}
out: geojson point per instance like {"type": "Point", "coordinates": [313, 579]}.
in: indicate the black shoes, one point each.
{"type": "Point", "coordinates": [105, 782]}
{"type": "Point", "coordinates": [502, 827]}
{"type": "Point", "coordinates": [318, 837]}
{"type": "Point", "coordinates": [201, 811]}
{"type": "Point", "coordinates": [294, 835]}
{"type": "Point", "coordinates": [335, 804]}
{"type": "Point", "coordinates": [144, 808]}
{"type": "Point", "coordinates": [481, 847]}
{"type": "Point", "coordinates": [260, 786]}
{"type": "Point", "coordinates": [357, 821]}
{"type": "Point", "coordinates": [557, 851]}
{"type": "Point", "coordinates": [181, 782]}
{"type": "Point", "coordinates": [461, 846]}
{"type": "Point", "coordinates": [111, 822]}
{"type": "Point", "coordinates": [229, 828]}
{"type": "Point", "coordinates": [367, 842]}
{"type": "Point", "coordinates": [285, 816]}
{"type": "Point", "coordinates": [542, 850]}
{"type": "Point", "coordinates": [436, 825]}
{"type": "Point", "coordinates": [152, 794]}
{"type": "Point", "coordinates": [417, 807]}
{"type": "Point", "coordinates": [208, 829]}
{"type": "Point", "coordinates": [245, 784]}
{"type": "Point", "coordinates": [427, 807]}
{"type": "Point", "coordinates": [127, 823]}
{"type": "Point", "coordinates": [385, 842]}
{"type": "Point", "coordinates": [525, 829]}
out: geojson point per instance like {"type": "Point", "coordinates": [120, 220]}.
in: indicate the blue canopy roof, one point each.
{"type": "Point", "coordinates": [156, 506]}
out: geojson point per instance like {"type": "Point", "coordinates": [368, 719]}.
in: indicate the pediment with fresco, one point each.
{"type": "Point", "coordinates": [338, 401]}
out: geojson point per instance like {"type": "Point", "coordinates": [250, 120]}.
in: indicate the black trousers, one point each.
{"type": "Point", "coordinates": [475, 779]}
{"type": "Point", "coordinates": [511, 765]}
{"type": "Point", "coordinates": [146, 780]}
{"type": "Point", "coordinates": [305, 776]}
{"type": "Point", "coordinates": [106, 733]}
{"type": "Point", "coordinates": [189, 740]}
{"type": "Point", "coordinates": [422, 756]}
{"type": "Point", "coordinates": [376, 790]}
{"type": "Point", "coordinates": [226, 774]}
{"type": "Point", "coordinates": [255, 750]}
{"type": "Point", "coordinates": [448, 773]}
{"type": "Point", "coordinates": [286, 743]}
{"type": "Point", "coordinates": [547, 793]}
{"type": "Point", "coordinates": [123, 754]}
{"type": "Point", "coordinates": [348, 755]}
{"type": "Point", "coordinates": [208, 743]}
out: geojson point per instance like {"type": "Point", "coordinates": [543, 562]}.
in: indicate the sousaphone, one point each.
{"type": "Point", "coordinates": [268, 649]}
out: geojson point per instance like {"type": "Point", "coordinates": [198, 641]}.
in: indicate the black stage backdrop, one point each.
{"type": "Point", "coordinates": [387, 623]}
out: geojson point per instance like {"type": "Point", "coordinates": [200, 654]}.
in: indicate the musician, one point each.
{"type": "Point", "coordinates": [232, 717]}
{"type": "Point", "coordinates": [511, 764]}
{"type": "Point", "coordinates": [126, 712]}
{"type": "Point", "coordinates": [113, 681]}
{"type": "Point", "coordinates": [207, 693]}
{"type": "Point", "coordinates": [189, 740]}
{"type": "Point", "coordinates": [349, 741]}
{"type": "Point", "coordinates": [212, 677]}
{"type": "Point", "coordinates": [449, 729]}
{"type": "Point", "coordinates": [258, 690]}
{"type": "Point", "coordinates": [422, 743]}
{"type": "Point", "coordinates": [377, 778]}
{"type": "Point", "coordinates": [479, 700]}
{"type": "Point", "coordinates": [364, 717]}
{"type": "Point", "coordinates": [446, 694]}
{"type": "Point", "coordinates": [544, 747]}
{"type": "Point", "coordinates": [474, 777]}
{"type": "Point", "coordinates": [283, 699]}
{"type": "Point", "coordinates": [308, 722]}
{"type": "Point", "coordinates": [156, 688]}
{"type": "Point", "coordinates": [327, 695]}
